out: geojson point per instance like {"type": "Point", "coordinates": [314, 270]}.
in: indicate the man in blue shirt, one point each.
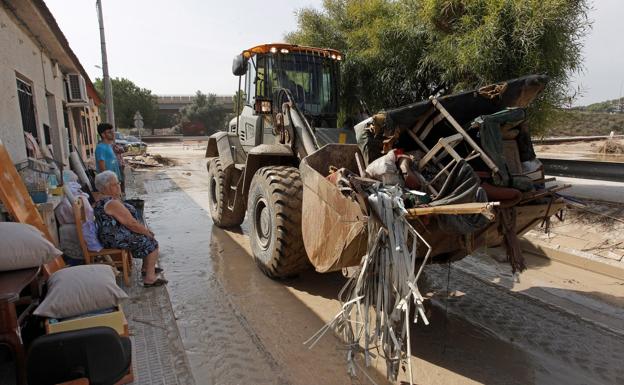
{"type": "Point", "coordinates": [105, 158]}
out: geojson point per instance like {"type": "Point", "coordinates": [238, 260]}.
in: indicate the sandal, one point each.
{"type": "Point", "coordinates": [157, 282]}
{"type": "Point", "coordinates": [157, 270]}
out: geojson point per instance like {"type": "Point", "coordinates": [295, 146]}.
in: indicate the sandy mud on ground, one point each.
{"type": "Point", "coordinates": [239, 327]}
{"type": "Point", "coordinates": [588, 150]}
{"type": "Point", "coordinates": [597, 229]}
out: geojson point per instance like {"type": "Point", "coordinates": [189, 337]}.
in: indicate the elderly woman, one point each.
{"type": "Point", "coordinates": [119, 228]}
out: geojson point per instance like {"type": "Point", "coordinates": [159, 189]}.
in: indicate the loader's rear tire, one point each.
{"type": "Point", "coordinates": [218, 190]}
{"type": "Point", "coordinates": [274, 214]}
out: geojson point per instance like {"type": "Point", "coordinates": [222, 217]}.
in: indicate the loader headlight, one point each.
{"type": "Point", "coordinates": [263, 106]}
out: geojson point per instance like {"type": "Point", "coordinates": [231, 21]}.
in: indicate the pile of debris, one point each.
{"type": "Point", "coordinates": [431, 185]}
{"type": "Point", "coordinates": [611, 146]}
{"type": "Point", "coordinates": [149, 161]}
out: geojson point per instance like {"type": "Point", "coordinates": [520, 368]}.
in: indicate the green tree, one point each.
{"type": "Point", "coordinates": [204, 111]}
{"type": "Point", "coordinates": [128, 98]}
{"type": "Point", "coordinates": [239, 96]}
{"type": "Point", "coordinates": [239, 101]}
{"type": "Point", "coordinates": [402, 51]}
{"type": "Point", "coordinates": [164, 120]}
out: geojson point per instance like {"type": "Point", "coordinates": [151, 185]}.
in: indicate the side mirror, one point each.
{"type": "Point", "coordinates": [239, 65]}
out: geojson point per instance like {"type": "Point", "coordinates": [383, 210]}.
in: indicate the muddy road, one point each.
{"type": "Point", "coordinates": [239, 327]}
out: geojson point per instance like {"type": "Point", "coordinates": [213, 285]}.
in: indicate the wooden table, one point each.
{"type": "Point", "coordinates": [11, 285]}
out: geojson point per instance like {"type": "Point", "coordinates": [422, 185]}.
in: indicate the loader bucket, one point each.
{"type": "Point", "coordinates": [333, 226]}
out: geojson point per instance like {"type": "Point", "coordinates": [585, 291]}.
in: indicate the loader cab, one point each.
{"type": "Point", "coordinates": [310, 74]}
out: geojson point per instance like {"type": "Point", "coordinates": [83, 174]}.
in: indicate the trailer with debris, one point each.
{"type": "Point", "coordinates": [429, 182]}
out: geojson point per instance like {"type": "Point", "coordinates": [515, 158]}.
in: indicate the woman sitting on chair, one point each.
{"type": "Point", "coordinates": [119, 228]}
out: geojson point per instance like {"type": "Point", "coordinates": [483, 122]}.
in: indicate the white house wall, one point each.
{"type": "Point", "coordinates": [20, 56]}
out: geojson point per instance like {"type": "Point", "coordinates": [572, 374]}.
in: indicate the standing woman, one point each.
{"type": "Point", "coordinates": [119, 228]}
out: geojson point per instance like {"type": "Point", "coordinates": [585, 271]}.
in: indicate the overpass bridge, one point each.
{"type": "Point", "coordinates": [169, 107]}
{"type": "Point", "coordinates": [172, 104]}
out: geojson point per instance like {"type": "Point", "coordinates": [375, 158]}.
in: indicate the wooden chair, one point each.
{"type": "Point", "coordinates": [443, 147]}
{"type": "Point", "coordinates": [121, 258]}
{"type": "Point", "coordinates": [423, 127]}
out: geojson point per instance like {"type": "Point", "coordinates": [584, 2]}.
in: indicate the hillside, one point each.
{"type": "Point", "coordinates": [615, 105]}
{"type": "Point", "coordinates": [584, 123]}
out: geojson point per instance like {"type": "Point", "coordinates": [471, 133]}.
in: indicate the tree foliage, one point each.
{"type": "Point", "coordinates": [239, 101]}
{"type": "Point", "coordinates": [164, 120]}
{"type": "Point", "coordinates": [205, 112]}
{"type": "Point", "coordinates": [402, 51]}
{"type": "Point", "coordinates": [239, 96]}
{"type": "Point", "coordinates": [615, 105]}
{"type": "Point", "coordinates": [128, 98]}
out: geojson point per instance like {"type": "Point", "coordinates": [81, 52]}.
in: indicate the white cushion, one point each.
{"type": "Point", "coordinates": [79, 290]}
{"type": "Point", "coordinates": [22, 246]}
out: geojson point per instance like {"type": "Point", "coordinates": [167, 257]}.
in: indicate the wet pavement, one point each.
{"type": "Point", "coordinates": [237, 326]}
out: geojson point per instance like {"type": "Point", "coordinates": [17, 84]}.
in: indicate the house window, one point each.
{"type": "Point", "coordinates": [27, 107]}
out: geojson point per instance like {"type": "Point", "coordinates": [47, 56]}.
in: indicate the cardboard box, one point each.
{"type": "Point", "coordinates": [116, 320]}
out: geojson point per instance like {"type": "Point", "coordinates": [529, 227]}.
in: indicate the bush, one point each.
{"type": "Point", "coordinates": [399, 52]}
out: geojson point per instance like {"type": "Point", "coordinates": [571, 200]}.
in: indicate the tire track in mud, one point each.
{"type": "Point", "coordinates": [227, 350]}
{"type": "Point", "coordinates": [568, 349]}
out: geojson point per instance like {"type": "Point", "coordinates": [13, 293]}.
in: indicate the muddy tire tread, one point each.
{"type": "Point", "coordinates": [222, 216]}
{"type": "Point", "coordinates": [285, 191]}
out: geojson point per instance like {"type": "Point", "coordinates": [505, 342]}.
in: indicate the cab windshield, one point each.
{"type": "Point", "coordinates": [312, 80]}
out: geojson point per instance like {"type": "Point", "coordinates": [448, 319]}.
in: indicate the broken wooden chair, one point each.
{"type": "Point", "coordinates": [445, 146]}
{"type": "Point", "coordinates": [121, 257]}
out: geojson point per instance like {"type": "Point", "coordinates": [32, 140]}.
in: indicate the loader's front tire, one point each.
{"type": "Point", "coordinates": [218, 190]}
{"type": "Point", "coordinates": [274, 214]}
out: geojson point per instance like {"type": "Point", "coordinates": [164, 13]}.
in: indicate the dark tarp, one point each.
{"type": "Point", "coordinates": [525, 144]}
{"type": "Point", "coordinates": [492, 143]}
{"type": "Point", "coordinates": [466, 106]}
{"type": "Point", "coordinates": [492, 138]}
{"type": "Point", "coordinates": [461, 186]}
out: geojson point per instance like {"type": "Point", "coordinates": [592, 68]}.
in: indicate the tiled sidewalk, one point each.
{"type": "Point", "coordinates": [157, 351]}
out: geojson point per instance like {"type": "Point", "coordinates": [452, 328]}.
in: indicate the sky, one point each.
{"type": "Point", "coordinates": [174, 47]}
{"type": "Point", "coordinates": [177, 48]}
{"type": "Point", "coordinates": [603, 52]}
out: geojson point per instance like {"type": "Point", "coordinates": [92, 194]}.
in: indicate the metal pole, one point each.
{"type": "Point", "coordinates": [108, 88]}
{"type": "Point", "coordinates": [238, 101]}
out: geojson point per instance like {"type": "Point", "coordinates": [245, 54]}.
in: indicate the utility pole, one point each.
{"type": "Point", "coordinates": [108, 88]}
